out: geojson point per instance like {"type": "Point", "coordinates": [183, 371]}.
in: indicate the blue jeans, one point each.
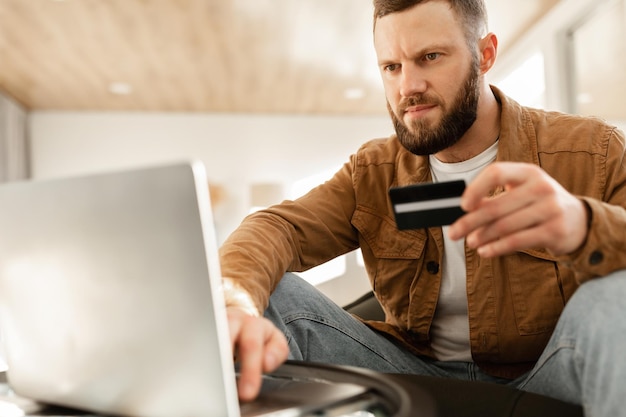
{"type": "Point", "coordinates": [583, 362]}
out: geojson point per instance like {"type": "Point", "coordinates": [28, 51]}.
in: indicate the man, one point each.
{"type": "Point", "coordinates": [480, 299]}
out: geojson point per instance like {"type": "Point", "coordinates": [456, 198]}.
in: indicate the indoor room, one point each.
{"type": "Point", "coordinates": [272, 96]}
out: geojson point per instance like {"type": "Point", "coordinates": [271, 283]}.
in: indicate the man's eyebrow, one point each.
{"type": "Point", "coordinates": [437, 47]}
{"type": "Point", "coordinates": [382, 62]}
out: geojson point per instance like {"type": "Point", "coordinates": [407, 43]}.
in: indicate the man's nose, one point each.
{"type": "Point", "coordinates": [413, 81]}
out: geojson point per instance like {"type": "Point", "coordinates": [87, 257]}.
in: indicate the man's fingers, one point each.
{"type": "Point", "coordinates": [511, 221]}
{"type": "Point", "coordinates": [258, 346]}
{"type": "Point", "coordinates": [522, 185]}
{"type": "Point", "coordinates": [489, 210]}
{"type": "Point", "coordinates": [506, 175]}
{"type": "Point", "coordinates": [508, 244]}
{"type": "Point", "coordinates": [249, 352]}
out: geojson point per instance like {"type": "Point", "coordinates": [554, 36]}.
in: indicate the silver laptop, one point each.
{"type": "Point", "coordinates": [110, 297]}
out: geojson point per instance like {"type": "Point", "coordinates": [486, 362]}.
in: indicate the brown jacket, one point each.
{"type": "Point", "coordinates": [514, 301]}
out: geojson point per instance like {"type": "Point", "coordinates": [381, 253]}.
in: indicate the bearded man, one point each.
{"type": "Point", "coordinates": [520, 290]}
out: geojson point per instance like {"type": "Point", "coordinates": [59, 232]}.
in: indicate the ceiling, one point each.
{"type": "Point", "coordinates": [251, 56]}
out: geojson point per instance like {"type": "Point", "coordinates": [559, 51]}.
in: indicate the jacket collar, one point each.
{"type": "Point", "coordinates": [518, 139]}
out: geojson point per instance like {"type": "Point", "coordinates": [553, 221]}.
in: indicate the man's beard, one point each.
{"type": "Point", "coordinates": [422, 139]}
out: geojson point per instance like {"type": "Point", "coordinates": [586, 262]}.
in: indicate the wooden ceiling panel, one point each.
{"type": "Point", "coordinates": [258, 56]}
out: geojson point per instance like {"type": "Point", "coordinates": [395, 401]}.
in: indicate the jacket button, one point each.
{"type": "Point", "coordinates": [432, 267]}
{"type": "Point", "coordinates": [596, 257]}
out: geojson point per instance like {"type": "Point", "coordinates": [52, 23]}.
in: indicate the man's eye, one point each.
{"type": "Point", "coordinates": [390, 67]}
{"type": "Point", "coordinates": [432, 56]}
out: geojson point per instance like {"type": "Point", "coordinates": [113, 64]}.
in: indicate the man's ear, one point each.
{"type": "Point", "coordinates": [488, 50]}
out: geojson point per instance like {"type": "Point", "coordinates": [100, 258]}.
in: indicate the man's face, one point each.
{"type": "Point", "coordinates": [431, 78]}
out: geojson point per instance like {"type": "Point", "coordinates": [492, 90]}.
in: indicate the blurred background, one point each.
{"type": "Point", "coordinates": [273, 95]}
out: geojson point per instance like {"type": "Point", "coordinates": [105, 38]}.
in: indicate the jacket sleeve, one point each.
{"type": "Point", "coordinates": [291, 236]}
{"type": "Point", "coordinates": [604, 250]}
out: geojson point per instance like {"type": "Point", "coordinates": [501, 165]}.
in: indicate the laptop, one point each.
{"type": "Point", "coordinates": [110, 299]}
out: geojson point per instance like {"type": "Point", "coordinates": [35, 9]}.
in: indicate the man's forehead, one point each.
{"type": "Point", "coordinates": [431, 22]}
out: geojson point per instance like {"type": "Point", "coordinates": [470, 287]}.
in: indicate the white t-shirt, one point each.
{"type": "Point", "coordinates": [450, 328]}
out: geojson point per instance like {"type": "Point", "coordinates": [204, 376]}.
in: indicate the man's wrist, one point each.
{"type": "Point", "coordinates": [237, 297]}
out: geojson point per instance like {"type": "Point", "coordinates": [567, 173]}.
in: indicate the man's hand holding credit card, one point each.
{"type": "Point", "coordinates": [427, 205]}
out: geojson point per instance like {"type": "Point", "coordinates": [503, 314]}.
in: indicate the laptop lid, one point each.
{"type": "Point", "coordinates": [108, 288]}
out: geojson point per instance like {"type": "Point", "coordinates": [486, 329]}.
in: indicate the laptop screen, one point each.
{"type": "Point", "coordinates": [108, 288]}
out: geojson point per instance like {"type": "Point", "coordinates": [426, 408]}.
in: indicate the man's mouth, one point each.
{"type": "Point", "coordinates": [418, 111]}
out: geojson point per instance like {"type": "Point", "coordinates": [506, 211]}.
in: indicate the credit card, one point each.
{"type": "Point", "coordinates": [427, 205]}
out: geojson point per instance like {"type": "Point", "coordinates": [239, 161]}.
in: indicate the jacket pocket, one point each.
{"type": "Point", "coordinates": [536, 291]}
{"type": "Point", "coordinates": [392, 258]}
{"type": "Point", "coordinates": [383, 237]}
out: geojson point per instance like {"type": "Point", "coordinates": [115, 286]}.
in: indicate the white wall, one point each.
{"type": "Point", "coordinates": [238, 150]}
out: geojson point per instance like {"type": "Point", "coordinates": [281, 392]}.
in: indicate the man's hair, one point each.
{"type": "Point", "coordinates": [471, 13]}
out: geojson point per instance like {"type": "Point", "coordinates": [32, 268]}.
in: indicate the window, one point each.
{"type": "Point", "coordinates": [598, 47]}
{"type": "Point", "coordinates": [526, 84]}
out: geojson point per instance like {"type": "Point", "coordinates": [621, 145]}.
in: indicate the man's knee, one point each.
{"type": "Point", "coordinates": [597, 303]}
{"type": "Point", "coordinates": [608, 291]}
